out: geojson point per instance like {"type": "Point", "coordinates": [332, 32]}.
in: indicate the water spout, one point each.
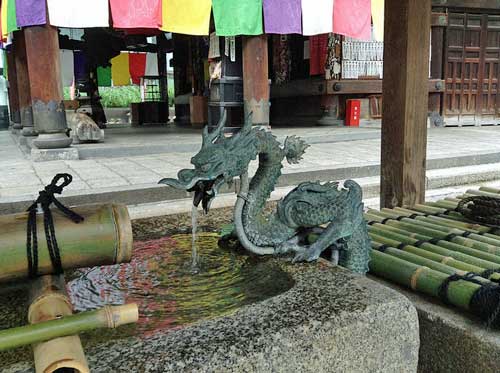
{"type": "Point", "coordinates": [194, 252]}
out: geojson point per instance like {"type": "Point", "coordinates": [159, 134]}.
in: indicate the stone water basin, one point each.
{"type": "Point", "coordinates": [239, 314]}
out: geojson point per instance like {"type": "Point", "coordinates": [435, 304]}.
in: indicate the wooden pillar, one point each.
{"type": "Point", "coordinates": [256, 79]}
{"type": "Point", "coordinates": [15, 115]}
{"type": "Point", "coordinates": [405, 101]}
{"type": "Point", "coordinates": [23, 84]}
{"type": "Point", "coordinates": [44, 67]}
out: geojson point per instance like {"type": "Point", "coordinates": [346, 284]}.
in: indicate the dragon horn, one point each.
{"type": "Point", "coordinates": [248, 122]}
{"type": "Point", "coordinates": [209, 138]}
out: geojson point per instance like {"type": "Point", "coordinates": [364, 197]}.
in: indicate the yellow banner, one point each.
{"type": "Point", "coordinates": [4, 12]}
{"type": "Point", "coordinates": [378, 19]}
{"type": "Point", "coordinates": [120, 72]}
{"type": "Point", "coordinates": [190, 17]}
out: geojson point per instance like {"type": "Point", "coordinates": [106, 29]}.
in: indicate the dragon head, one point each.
{"type": "Point", "coordinates": [219, 160]}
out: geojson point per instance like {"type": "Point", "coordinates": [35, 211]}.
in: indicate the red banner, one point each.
{"type": "Point", "coordinates": [137, 66]}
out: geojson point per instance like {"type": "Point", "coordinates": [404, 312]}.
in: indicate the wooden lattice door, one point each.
{"type": "Point", "coordinates": [471, 71]}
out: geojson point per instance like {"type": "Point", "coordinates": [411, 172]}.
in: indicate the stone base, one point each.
{"type": "Point", "coordinates": [452, 340]}
{"type": "Point", "coordinates": [330, 121]}
{"type": "Point", "coordinates": [52, 141]}
{"type": "Point", "coordinates": [29, 132]}
{"type": "Point", "coordinates": [65, 154]}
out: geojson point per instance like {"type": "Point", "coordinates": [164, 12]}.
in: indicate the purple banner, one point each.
{"type": "Point", "coordinates": [283, 16]}
{"type": "Point", "coordinates": [31, 12]}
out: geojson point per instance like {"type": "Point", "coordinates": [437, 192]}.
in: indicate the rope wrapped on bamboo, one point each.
{"type": "Point", "coordinates": [104, 237]}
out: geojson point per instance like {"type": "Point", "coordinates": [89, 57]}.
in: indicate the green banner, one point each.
{"type": "Point", "coordinates": [237, 17]}
{"type": "Point", "coordinates": [104, 76]}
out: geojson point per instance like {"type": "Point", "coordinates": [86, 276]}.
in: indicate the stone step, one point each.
{"type": "Point", "coordinates": [157, 195]}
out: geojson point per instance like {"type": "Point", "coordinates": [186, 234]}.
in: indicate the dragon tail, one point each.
{"type": "Point", "coordinates": [294, 149]}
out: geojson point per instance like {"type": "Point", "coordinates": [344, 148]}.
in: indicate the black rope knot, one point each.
{"type": "Point", "coordinates": [45, 199]}
{"type": "Point", "coordinates": [481, 209]}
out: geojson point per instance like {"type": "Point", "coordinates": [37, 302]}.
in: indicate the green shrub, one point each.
{"type": "Point", "coordinates": [119, 97]}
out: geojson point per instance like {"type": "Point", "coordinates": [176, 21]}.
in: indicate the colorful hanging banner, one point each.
{"type": "Point", "coordinates": [137, 66]}
{"type": "Point", "coordinates": [353, 18]}
{"type": "Point", "coordinates": [128, 14]}
{"type": "Point", "coordinates": [191, 17]}
{"type": "Point", "coordinates": [8, 16]}
{"type": "Point", "coordinates": [11, 16]}
{"type": "Point", "coordinates": [238, 17]}
{"type": "Point", "coordinates": [378, 19]}
{"type": "Point", "coordinates": [31, 12]}
{"type": "Point", "coordinates": [81, 68]}
{"type": "Point", "coordinates": [151, 64]}
{"type": "Point", "coordinates": [104, 76]}
{"type": "Point", "coordinates": [318, 52]}
{"type": "Point", "coordinates": [120, 70]}
{"type": "Point", "coordinates": [67, 67]}
{"type": "Point", "coordinates": [282, 16]}
{"type": "Point", "coordinates": [78, 13]}
{"type": "Point", "coordinates": [317, 17]}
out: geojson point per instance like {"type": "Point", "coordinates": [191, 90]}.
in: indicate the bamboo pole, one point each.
{"type": "Point", "coordinates": [490, 190]}
{"type": "Point", "coordinates": [104, 237]}
{"type": "Point", "coordinates": [476, 249]}
{"type": "Point", "coordinates": [107, 317]}
{"type": "Point", "coordinates": [415, 259]}
{"type": "Point", "coordinates": [446, 230]}
{"type": "Point", "coordinates": [404, 237]}
{"type": "Point", "coordinates": [420, 278]}
{"type": "Point", "coordinates": [50, 301]}
{"type": "Point", "coordinates": [458, 265]}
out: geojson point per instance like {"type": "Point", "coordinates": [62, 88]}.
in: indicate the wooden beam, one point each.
{"type": "Point", "coordinates": [472, 4]}
{"type": "Point", "coordinates": [320, 87]}
{"type": "Point", "coordinates": [256, 89]}
{"type": "Point", "coordinates": [44, 68]}
{"type": "Point", "coordinates": [405, 101]}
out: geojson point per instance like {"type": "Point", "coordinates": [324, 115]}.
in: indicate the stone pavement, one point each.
{"type": "Point", "coordinates": [335, 153]}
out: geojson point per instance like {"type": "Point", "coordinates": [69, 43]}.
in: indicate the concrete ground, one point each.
{"type": "Point", "coordinates": [127, 166]}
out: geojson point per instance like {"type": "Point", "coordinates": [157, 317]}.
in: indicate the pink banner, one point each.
{"type": "Point", "coordinates": [352, 18]}
{"type": "Point", "coordinates": [136, 13]}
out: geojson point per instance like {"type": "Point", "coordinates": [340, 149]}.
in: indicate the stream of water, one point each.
{"type": "Point", "coordinates": [194, 251]}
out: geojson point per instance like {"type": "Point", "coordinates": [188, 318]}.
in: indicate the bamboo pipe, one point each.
{"type": "Point", "coordinates": [415, 259]}
{"type": "Point", "coordinates": [490, 190]}
{"type": "Point", "coordinates": [420, 278]}
{"type": "Point", "coordinates": [107, 317]}
{"type": "Point", "coordinates": [403, 237]}
{"type": "Point", "coordinates": [50, 301]}
{"type": "Point", "coordinates": [431, 207]}
{"type": "Point", "coordinates": [440, 220]}
{"type": "Point", "coordinates": [104, 237]}
{"type": "Point", "coordinates": [465, 241]}
{"type": "Point", "coordinates": [476, 249]}
{"type": "Point", "coordinates": [459, 266]}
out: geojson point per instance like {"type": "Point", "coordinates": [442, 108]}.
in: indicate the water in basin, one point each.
{"type": "Point", "coordinates": [161, 281]}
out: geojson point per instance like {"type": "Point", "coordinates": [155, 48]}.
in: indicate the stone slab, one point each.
{"type": "Point", "coordinates": [44, 155]}
{"type": "Point", "coordinates": [330, 321]}
{"type": "Point", "coordinates": [452, 340]}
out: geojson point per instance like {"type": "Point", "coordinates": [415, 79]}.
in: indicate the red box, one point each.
{"type": "Point", "coordinates": [352, 113]}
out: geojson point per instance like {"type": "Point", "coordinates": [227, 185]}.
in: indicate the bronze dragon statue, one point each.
{"type": "Point", "coordinates": [298, 216]}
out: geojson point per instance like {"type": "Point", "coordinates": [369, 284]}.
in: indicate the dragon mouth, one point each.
{"type": "Point", "coordinates": [205, 189]}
